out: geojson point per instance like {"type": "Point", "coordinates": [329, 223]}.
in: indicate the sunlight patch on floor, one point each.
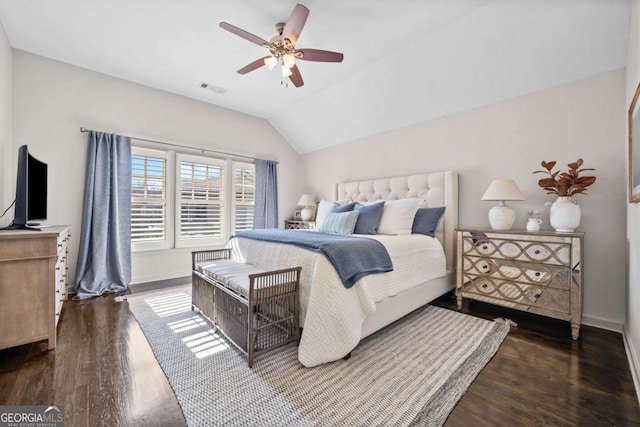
{"type": "Point", "coordinates": [187, 324]}
{"type": "Point", "coordinates": [167, 305]}
{"type": "Point", "coordinates": [205, 343]}
{"type": "Point", "coordinates": [201, 344]}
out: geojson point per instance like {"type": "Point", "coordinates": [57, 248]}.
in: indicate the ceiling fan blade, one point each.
{"type": "Point", "coordinates": [296, 77]}
{"type": "Point", "coordinates": [320, 55]}
{"type": "Point", "coordinates": [244, 34]}
{"type": "Point", "coordinates": [253, 66]}
{"type": "Point", "coordinates": [295, 23]}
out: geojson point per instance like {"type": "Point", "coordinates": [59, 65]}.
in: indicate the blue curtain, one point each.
{"type": "Point", "coordinates": [104, 258]}
{"type": "Point", "coordinates": [266, 206]}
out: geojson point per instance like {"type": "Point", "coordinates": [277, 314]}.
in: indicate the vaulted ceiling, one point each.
{"type": "Point", "coordinates": [404, 62]}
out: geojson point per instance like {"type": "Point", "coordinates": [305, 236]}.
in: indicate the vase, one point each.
{"type": "Point", "coordinates": [533, 224]}
{"type": "Point", "coordinates": [565, 215]}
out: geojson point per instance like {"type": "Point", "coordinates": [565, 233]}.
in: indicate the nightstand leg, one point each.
{"type": "Point", "coordinates": [459, 297]}
{"type": "Point", "coordinates": [575, 331]}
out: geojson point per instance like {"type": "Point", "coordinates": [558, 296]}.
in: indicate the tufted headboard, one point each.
{"type": "Point", "coordinates": [436, 189]}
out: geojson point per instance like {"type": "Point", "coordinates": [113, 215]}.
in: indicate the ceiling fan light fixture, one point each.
{"type": "Point", "coordinates": [270, 62]}
{"type": "Point", "coordinates": [288, 60]}
{"type": "Point", "coordinates": [286, 71]}
{"type": "Point", "coordinates": [282, 47]}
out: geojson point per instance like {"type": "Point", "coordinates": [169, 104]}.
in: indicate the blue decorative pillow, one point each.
{"type": "Point", "coordinates": [344, 208]}
{"type": "Point", "coordinates": [340, 223]}
{"type": "Point", "coordinates": [369, 218]}
{"type": "Point", "coordinates": [426, 221]}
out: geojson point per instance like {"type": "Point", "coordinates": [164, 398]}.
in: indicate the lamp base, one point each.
{"type": "Point", "coordinates": [306, 214]}
{"type": "Point", "coordinates": [502, 217]}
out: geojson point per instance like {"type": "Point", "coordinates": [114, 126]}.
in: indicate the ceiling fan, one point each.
{"type": "Point", "coordinates": [282, 47]}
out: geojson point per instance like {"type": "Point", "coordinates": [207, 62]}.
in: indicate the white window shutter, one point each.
{"type": "Point", "coordinates": [148, 197]}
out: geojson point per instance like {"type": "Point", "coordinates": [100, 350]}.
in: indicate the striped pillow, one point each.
{"type": "Point", "coordinates": [340, 222]}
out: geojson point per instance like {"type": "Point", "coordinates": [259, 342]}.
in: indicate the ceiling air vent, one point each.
{"type": "Point", "coordinates": [216, 89]}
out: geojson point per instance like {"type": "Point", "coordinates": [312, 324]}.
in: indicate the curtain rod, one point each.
{"type": "Point", "coordinates": [83, 129]}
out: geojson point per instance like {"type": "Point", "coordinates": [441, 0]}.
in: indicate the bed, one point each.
{"type": "Point", "coordinates": [335, 318]}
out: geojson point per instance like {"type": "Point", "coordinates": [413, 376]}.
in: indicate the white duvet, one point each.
{"type": "Point", "coordinates": [331, 314]}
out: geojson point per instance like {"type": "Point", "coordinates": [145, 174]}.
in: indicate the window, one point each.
{"type": "Point", "coordinates": [180, 200]}
{"type": "Point", "coordinates": [244, 184]}
{"type": "Point", "coordinates": [201, 200]}
{"type": "Point", "coordinates": [148, 199]}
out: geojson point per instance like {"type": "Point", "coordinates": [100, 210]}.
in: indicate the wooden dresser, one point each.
{"type": "Point", "coordinates": [539, 272]}
{"type": "Point", "coordinates": [33, 284]}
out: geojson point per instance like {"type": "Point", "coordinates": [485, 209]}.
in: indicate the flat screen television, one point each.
{"type": "Point", "coordinates": [31, 191]}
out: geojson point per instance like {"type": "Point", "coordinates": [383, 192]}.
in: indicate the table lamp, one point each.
{"type": "Point", "coordinates": [307, 200]}
{"type": "Point", "coordinates": [502, 217]}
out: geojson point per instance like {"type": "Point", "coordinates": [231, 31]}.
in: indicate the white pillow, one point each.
{"type": "Point", "coordinates": [324, 207]}
{"type": "Point", "coordinates": [397, 216]}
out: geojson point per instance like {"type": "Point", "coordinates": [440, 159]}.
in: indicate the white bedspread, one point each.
{"type": "Point", "coordinates": [332, 315]}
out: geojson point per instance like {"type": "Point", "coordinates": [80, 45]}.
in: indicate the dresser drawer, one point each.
{"type": "Point", "coordinates": [63, 241]}
{"type": "Point", "coordinates": [534, 250]}
{"type": "Point", "coordinates": [521, 296]}
{"type": "Point", "coordinates": [527, 273]}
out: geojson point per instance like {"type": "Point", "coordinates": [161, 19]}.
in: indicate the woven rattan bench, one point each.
{"type": "Point", "coordinates": [256, 310]}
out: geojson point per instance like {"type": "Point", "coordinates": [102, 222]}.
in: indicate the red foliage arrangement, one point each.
{"type": "Point", "coordinates": [565, 184]}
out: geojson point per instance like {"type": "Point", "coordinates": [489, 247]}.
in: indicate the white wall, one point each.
{"type": "Point", "coordinates": [7, 161]}
{"type": "Point", "coordinates": [509, 139]}
{"type": "Point", "coordinates": [632, 325]}
{"type": "Point", "coordinates": [53, 99]}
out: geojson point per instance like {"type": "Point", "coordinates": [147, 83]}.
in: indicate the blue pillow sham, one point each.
{"type": "Point", "coordinates": [369, 218]}
{"type": "Point", "coordinates": [344, 208]}
{"type": "Point", "coordinates": [340, 223]}
{"type": "Point", "coordinates": [426, 221]}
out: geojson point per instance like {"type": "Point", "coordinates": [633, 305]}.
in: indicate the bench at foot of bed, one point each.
{"type": "Point", "coordinates": [256, 310]}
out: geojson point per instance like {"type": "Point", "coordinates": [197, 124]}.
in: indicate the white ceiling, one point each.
{"type": "Point", "coordinates": [406, 61]}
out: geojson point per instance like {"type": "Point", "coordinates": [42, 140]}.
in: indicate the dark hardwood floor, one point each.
{"type": "Point", "coordinates": [102, 370]}
{"type": "Point", "coordinates": [104, 373]}
{"type": "Point", "coordinates": [542, 377]}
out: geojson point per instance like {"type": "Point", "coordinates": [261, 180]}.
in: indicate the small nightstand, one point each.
{"type": "Point", "coordinates": [295, 224]}
{"type": "Point", "coordinates": [539, 272]}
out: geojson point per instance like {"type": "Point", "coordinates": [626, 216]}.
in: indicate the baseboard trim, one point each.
{"type": "Point", "coordinates": [158, 277]}
{"type": "Point", "coordinates": [601, 323]}
{"type": "Point", "coordinates": [633, 360]}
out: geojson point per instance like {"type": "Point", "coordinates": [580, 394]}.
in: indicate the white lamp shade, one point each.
{"type": "Point", "coordinates": [307, 200]}
{"type": "Point", "coordinates": [289, 61]}
{"type": "Point", "coordinates": [503, 189]}
{"type": "Point", "coordinates": [270, 62]}
{"type": "Point", "coordinates": [286, 72]}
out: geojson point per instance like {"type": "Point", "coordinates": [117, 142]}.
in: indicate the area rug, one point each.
{"type": "Point", "coordinates": [411, 373]}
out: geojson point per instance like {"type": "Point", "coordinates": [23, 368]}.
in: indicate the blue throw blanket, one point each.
{"type": "Point", "coordinates": [352, 257]}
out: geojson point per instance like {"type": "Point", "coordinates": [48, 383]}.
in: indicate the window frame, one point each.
{"type": "Point", "coordinates": [235, 166]}
{"type": "Point", "coordinates": [167, 242]}
{"type": "Point", "coordinates": [204, 241]}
